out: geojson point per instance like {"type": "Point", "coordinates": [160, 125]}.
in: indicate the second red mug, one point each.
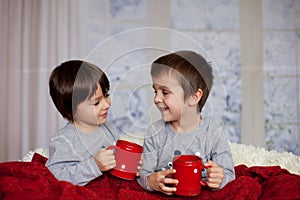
{"type": "Point", "coordinates": [127, 156]}
{"type": "Point", "coordinates": [189, 174]}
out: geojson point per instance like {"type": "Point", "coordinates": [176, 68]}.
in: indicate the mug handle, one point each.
{"type": "Point", "coordinates": [203, 183]}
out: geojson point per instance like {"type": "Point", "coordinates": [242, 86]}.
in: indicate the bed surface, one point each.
{"type": "Point", "coordinates": [33, 180]}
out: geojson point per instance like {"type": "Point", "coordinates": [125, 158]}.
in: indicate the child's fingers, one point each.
{"type": "Point", "coordinates": [109, 152]}
{"type": "Point", "coordinates": [213, 185]}
{"type": "Point", "coordinates": [215, 174]}
{"type": "Point", "coordinates": [168, 172]}
{"type": "Point", "coordinates": [210, 163]}
{"type": "Point", "coordinates": [139, 168]}
{"type": "Point", "coordinates": [141, 161]}
{"type": "Point", "coordinates": [165, 182]}
{"type": "Point", "coordinates": [104, 151]}
{"type": "Point", "coordinates": [214, 182]}
{"type": "Point", "coordinates": [170, 181]}
{"type": "Point", "coordinates": [167, 190]}
{"type": "Point", "coordinates": [110, 163]}
{"type": "Point", "coordinates": [106, 157]}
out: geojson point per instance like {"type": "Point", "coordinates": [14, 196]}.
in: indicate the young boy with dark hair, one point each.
{"type": "Point", "coordinates": [78, 153]}
{"type": "Point", "coordinates": [182, 82]}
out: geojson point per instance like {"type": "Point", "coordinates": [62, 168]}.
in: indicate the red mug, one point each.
{"type": "Point", "coordinates": [189, 175]}
{"type": "Point", "coordinates": [127, 156]}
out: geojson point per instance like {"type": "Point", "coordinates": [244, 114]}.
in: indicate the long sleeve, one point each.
{"type": "Point", "coordinates": [71, 153]}
{"type": "Point", "coordinates": [149, 162]}
{"type": "Point", "coordinates": [221, 154]}
{"type": "Point", "coordinates": [153, 143]}
{"type": "Point", "coordinates": [162, 143]}
{"type": "Point", "coordinates": [76, 169]}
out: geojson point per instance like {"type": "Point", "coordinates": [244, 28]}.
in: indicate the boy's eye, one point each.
{"type": "Point", "coordinates": [107, 95]}
{"type": "Point", "coordinates": [96, 103]}
{"type": "Point", "coordinates": [164, 92]}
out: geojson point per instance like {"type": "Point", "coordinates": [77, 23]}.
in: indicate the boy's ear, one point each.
{"type": "Point", "coordinates": [195, 98]}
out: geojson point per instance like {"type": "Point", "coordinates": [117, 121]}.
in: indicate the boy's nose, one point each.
{"type": "Point", "coordinates": [106, 103]}
{"type": "Point", "coordinates": [157, 99]}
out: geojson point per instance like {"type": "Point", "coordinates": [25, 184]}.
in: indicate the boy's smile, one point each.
{"type": "Point", "coordinates": [169, 99]}
{"type": "Point", "coordinates": [162, 109]}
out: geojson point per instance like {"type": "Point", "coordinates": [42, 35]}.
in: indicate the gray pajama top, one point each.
{"type": "Point", "coordinates": [162, 143]}
{"type": "Point", "coordinates": [71, 153]}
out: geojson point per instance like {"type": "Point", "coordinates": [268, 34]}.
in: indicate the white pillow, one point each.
{"type": "Point", "coordinates": [242, 154]}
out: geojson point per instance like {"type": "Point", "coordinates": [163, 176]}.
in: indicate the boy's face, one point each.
{"type": "Point", "coordinates": [92, 112]}
{"type": "Point", "coordinates": [169, 98]}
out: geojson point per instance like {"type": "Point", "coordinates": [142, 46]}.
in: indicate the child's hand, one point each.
{"type": "Point", "coordinates": [215, 175]}
{"type": "Point", "coordinates": [105, 159]}
{"type": "Point", "coordinates": [159, 181]}
{"type": "Point", "coordinates": [139, 167]}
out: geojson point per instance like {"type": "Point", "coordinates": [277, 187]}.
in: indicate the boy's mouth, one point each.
{"type": "Point", "coordinates": [163, 109]}
{"type": "Point", "coordinates": [104, 115]}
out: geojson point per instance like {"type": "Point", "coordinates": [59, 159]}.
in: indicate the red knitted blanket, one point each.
{"type": "Point", "coordinates": [32, 180]}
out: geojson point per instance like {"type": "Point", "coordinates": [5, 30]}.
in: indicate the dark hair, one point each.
{"type": "Point", "coordinates": [73, 82]}
{"type": "Point", "coordinates": [191, 70]}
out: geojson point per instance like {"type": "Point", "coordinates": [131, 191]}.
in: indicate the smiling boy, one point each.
{"type": "Point", "coordinates": [182, 82]}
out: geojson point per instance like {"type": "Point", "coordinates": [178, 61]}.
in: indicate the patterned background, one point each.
{"type": "Point", "coordinates": [215, 25]}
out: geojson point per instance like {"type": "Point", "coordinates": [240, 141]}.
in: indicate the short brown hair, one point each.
{"type": "Point", "coordinates": [73, 82]}
{"type": "Point", "coordinates": [193, 72]}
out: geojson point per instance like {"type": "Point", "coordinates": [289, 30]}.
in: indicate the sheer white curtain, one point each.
{"type": "Point", "coordinates": [35, 36]}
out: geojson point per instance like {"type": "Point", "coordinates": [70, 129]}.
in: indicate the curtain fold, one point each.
{"type": "Point", "coordinates": [35, 36]}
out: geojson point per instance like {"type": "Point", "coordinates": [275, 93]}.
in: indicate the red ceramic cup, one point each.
{"type": "Point", "coordinates": [189, 174]}
{"type": "Point", "coordinates": [127, 156]}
